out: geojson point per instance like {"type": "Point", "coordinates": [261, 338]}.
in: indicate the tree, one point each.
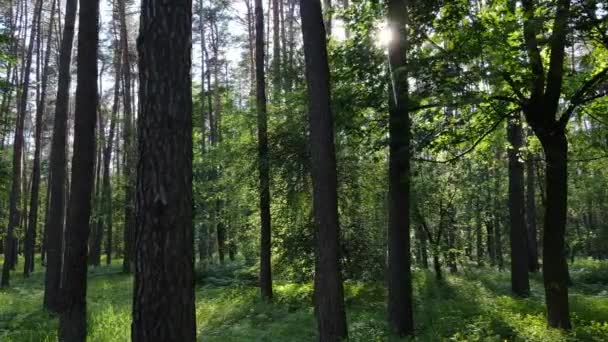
{"type": "Point", "coordinates": [30, 239]}
{"type": "Point", "coordinates": [52, 292]}
{"type": "Point", "coordinates": [520, 284]}
{"type": "Point", "coordinates": [400, 310]}
{"type": "Point", "coordinates": [164, 240]}
{"type": "Point", "coordinates": [129, 220]}
{"type": "Point", "coordinates": [10, 250]}
{"type": "Point", "coordinates": [263, 160]}
{"type": "Point", "coordinates": [72, 322]}
{"type": "Point", "coordinates": [542, 112]}
{"type": "Point", "coordinates": [329, 293]}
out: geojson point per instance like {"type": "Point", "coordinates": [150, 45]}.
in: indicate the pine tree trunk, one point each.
{"type": "Point", "coordinates": [52, 293]}
{"type": "Point", "coordinates": [72, 322]}
{"type": "Point", "coordinates": [329, 292]}
{"type": "Point", "coordinates": [164, 253]}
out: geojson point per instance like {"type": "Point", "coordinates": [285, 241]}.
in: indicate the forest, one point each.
{"type": "Point", "coordinates": [301, 170]}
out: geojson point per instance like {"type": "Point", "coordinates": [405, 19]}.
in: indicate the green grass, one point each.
{"type": "Point", "coordinates": [473, 306]}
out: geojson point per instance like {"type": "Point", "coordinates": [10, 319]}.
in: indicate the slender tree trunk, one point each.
{"type": "Point", "coordinates": [276, 49]}
{"type": "Point", "coordinates": [400, 309]}
{"type": "Point", "coordinates": [329, 293]}
{"type": "Point", "coordinates": [164, 244]}
{"type": "Point", "coordinates": [15, 194]}
{"type": "Point", "coordinates": [129, 221]}
{"type": "Point", "coordinates": [491, 245]}
{"type": "Point", "coordinates": [52, 293]}
{"type": "Point", "coordinates": [72, 322]}
{"type": "Point", "coordinates": [263, 160]}
{"type": "Point", "coordinates": [520, 283]}
{"type": "Point", "coordinates": [479, 237]}
{"type": "Point", "coordinates": [533, 264]}
{"type": "Point", "coordinates": [30, 239]}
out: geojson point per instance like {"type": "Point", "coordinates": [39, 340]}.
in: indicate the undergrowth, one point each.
{"type": "Point", "coordinates": [473, 306]}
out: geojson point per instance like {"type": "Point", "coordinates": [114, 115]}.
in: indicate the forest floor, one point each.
{"type": "Point", "coordinates": [471, 306]}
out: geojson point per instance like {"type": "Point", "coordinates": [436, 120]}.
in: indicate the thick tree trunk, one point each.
{"type": "Point", "coordinates": [533, 264]}
{"type": "Point", "coordinates": [263, 157]}
{"type": "Point", "coordinates": [72, 322]}
{"type": "Point", "coordinates": [329, 293]}
{"type": "Point", "coordinates": [164, 237]}
{"type": "Point", "coordinates": [400, 310]}
{"type": "Point", "coordinates": [52, 293]}
{"type": "Point", "coordinates": [520, 283]}
{"type": "Point", "coordinates": [555, 268]}
{"type": "Point", "coordinates": [10, 250]}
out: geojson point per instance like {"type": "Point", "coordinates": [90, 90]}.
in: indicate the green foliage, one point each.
{"type": "Point", "coordinates": [475, 306]}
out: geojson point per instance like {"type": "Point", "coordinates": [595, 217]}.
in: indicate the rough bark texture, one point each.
{"type": "Point", "coordinates": [329, 300]}
{"type": "Point", "coordinates": [520, 283]}
{"type": "Point", "coordinates": [163, 297]}
{"type": "Point", "coordinates": [52, 293]}
{"type": "Point", "coordinates": [400, 310]}
{"type": "Point", "coordinates": [72, 322]}
{"type": "Point", "coordinates": [263, 160]}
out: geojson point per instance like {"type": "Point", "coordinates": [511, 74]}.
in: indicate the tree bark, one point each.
{"type": "Point", "coordinates": [52, 293]}
{"type": "Point", "coordinates": [263, 157]}
{"type": "Point", "coordinates": [72, 322]}
{"type": "Point", "coordinates": [329, 293]}
{"type": "Point", "coordinates": [520, 283]}
{"type": "Point", "coordinates": [555, 268]}
{"type": "Point", "coordinates": [164, 237]}
{"type": "Point", "coordinates": [400, 310]}
{"type": "Point", "coordinates": [129, 217]}
{"type": "Point", "coordinates": [533, 264]}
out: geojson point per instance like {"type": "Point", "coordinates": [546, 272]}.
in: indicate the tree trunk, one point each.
{"type": "Point", "coordinates": [329, 293]}
{"type": "Point", "coordinates": [520, 284]}
{"type": "Point", "coordinates": [276, 50]}
{"type": "Point", "coordinates": [164, 238]}
{"type": "Point", "coordinates": [72, 322]}
{"type": "Point", "coordinates": [400, 310]}
{"type": "Point", "coordinates": [15, 193]}
{"type": "Point", "coordinates": [30, 239]}
{"type": "Point", "coordinates": [263, 157]}
{"type": "Point", "coordinates": [533, 264]}
{"type": "Point", "coordinates": [52, 293]}
{"type": "Point", "coordinates": [129, 220]}
{"type": "Point", "coordinates": [106, 192]}
{"type": "Point", "coordinates": [479, 237]}
{"type": "Point", "coordinates": [491, 246]}
{"type": "Point", "coordinates": [555, 268]}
